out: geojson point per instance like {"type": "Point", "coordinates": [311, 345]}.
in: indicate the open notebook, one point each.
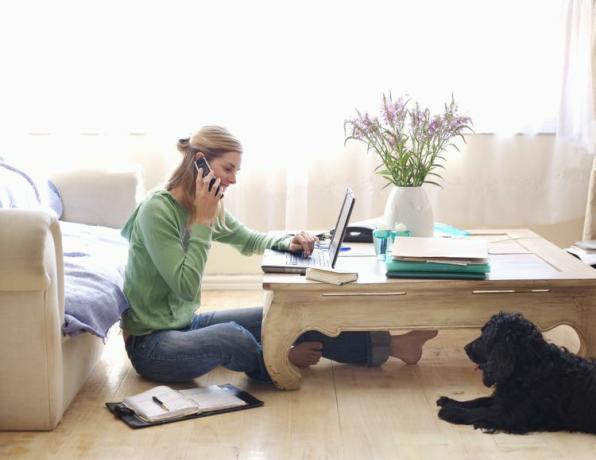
{"type": "Point", "coordinates": [164, 403]}
{"type": "Point", "coordinates": [185, 404]}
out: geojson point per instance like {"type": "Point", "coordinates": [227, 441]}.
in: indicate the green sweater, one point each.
{"type": "Point", "coordinates": [166, 260]}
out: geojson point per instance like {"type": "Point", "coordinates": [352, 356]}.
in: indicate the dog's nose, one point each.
{"type": "Point", "coordinates": [469, 349]}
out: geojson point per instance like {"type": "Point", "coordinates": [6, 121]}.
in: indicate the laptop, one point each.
{"type": "Point", "coordinates": [286, 262]}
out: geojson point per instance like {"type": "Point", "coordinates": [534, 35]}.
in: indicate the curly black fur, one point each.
{"type": "Point", "coordinates": [538, 386]}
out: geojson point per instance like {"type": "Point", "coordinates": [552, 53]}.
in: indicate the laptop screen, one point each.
{"type": "Point", "coordinates": [340, 227]}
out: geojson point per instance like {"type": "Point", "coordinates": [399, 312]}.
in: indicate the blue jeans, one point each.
{"type": "Point", "coordinates": [232, 339]}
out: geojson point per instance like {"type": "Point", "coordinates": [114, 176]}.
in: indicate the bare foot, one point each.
{"type": "Point", "coordinates": [306, 354]}
{"type": "Point", "coordinates": [408, 347]}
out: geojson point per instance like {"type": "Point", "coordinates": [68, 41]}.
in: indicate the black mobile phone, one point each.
{"type": "Point", "coordinates": [203, 165]}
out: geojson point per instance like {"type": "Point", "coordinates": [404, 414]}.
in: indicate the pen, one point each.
{"type": "Point", "coordinates": [161, 404]}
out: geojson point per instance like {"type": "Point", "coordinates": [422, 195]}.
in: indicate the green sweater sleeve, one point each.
{"type": "Point", "coordinates": [182, 270]}
{"type": "Point", "coordinates": [248, 241]}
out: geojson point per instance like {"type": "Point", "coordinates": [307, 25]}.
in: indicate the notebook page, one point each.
{"type": "Point", "coordinates": [144, 405]}
{"type": "Point", "coordinates": [212, 398]}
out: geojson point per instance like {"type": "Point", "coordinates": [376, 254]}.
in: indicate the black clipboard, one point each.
{"type": "Point", "coordinates": [132, 420]}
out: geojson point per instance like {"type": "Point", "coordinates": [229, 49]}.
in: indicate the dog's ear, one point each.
{"type": "Point", "coordinates": [501, 361]}
{"type": "Point", "coordinates": [511, 340]}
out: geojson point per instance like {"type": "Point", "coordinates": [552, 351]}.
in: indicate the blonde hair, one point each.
{"type": "Point", "coordinates": [213, 142]}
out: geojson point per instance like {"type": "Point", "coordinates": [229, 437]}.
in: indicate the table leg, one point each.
{"type": "Point", "coordinates": [587, 332]}
{"type": "Point", "coordinates": [281, 327]}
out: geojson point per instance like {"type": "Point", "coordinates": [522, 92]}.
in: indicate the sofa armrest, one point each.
{"type": "Point", "coordinates": [31, 317]}
{"type": "Point", "coordinates": [104, 198]}
{"type": "Point", "coordinates": [31, 248]}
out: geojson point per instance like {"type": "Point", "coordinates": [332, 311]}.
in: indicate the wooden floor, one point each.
{"type": "Point", "coordinates": [341, 412]}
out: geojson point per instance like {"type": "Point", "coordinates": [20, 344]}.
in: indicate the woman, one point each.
{"type": "Point", "coordinates": [170, 234]}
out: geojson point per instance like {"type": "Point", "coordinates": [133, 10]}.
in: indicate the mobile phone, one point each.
{"type": "Point", "coordinates": [203, 165]}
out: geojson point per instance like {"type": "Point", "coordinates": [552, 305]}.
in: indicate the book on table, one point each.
{"type": "Point", "coordinates": [163, 404]}
{"type": "Point", "coordinates": [330, 275]}
{"type": "Point", "coordinates": [394, 265]}
{"type": "Point", "coordinates": [437, 275]}
{"type": "Point", "coordinates": [445, 258]}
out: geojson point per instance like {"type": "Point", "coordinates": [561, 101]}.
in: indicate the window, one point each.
{"type": "Point", "coordinates": [290, 70]}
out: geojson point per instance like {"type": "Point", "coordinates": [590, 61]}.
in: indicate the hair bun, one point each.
{"type": "Point", "coordinates": [183, 145]}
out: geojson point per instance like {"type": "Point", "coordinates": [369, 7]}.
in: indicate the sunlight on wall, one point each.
{"type": "Point", "coordinates": [115, 83]}
{"type": "Point", "coordinates": [276, 74]}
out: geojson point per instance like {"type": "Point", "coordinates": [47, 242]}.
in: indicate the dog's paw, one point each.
{"type": "Point", "coordinates": [453, 414]}
{"type": "Point", "coordinates": [445, 414]}
{"type": "Point", "coordinates": [444, 401]}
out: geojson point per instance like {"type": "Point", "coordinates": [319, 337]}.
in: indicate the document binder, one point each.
{"type": "Point", "coordinates": [129, 417]}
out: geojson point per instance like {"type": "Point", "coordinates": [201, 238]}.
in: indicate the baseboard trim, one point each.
{"type": "Point", "coordinates": [232, 282]}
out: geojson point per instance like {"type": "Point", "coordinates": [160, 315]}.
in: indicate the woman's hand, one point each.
{"type": "Point", "coordinates": [206, 200]}
{"type": "Point", "coordinates": [303, 242]}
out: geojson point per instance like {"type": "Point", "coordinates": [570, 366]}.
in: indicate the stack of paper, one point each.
{"type": "Point", "coordinates": [446, 258]}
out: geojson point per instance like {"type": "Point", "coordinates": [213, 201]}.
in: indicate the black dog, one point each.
{"type": "Point", "coordinates": [538, 386]}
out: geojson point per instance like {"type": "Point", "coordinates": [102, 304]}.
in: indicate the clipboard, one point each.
{"type": "Point", "coordinates": [132, 420]}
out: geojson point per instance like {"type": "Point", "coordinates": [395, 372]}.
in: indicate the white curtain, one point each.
{"type": "Point", "coordinates": [575, 120]}
{"type": "Point", "coordinates": [513, 180]}
{"type": "Point", "coordinates": [117, 82]}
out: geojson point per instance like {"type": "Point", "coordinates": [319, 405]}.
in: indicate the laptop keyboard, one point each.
{"type": "Point", "coordinates": [317, 259]}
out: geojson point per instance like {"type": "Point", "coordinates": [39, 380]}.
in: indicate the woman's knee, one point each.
{"type": "Point", "coordinates": [233, 335]}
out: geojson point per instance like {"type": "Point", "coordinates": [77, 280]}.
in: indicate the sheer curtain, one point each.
{"type": "Point", "coordinates": [116, 83]}
{"type": "Point", "coordinates": [536, 176]}
{"type": "Point", "coordinates": [576, 106]}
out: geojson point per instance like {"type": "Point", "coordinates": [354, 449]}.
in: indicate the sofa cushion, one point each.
{"type": "Point", "coordinates": [94, 260]}
{"type": "Point", "coordinates": [23, 190]}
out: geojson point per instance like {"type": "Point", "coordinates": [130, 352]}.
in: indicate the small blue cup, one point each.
{"type": "Point", "coordinates": [383, 241]}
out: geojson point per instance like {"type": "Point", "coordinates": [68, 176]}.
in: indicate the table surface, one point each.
{"type": "Point", "coordinates": [514, 255]}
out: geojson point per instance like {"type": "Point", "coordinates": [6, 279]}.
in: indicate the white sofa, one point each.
{"type": "Point", "coordinates": [42, 370]}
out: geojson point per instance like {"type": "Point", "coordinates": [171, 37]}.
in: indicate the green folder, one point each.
{"type": "Point", "coordinates": [437, 275]}
{"type": "Point", "coordinates": [401, 266]}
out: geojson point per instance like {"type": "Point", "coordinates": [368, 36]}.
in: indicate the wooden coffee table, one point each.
{"type": "Point", "coordinates": [529, 275]}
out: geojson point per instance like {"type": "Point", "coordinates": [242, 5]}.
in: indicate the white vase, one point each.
{"type": "Point", "coordinates": [409, 206]}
